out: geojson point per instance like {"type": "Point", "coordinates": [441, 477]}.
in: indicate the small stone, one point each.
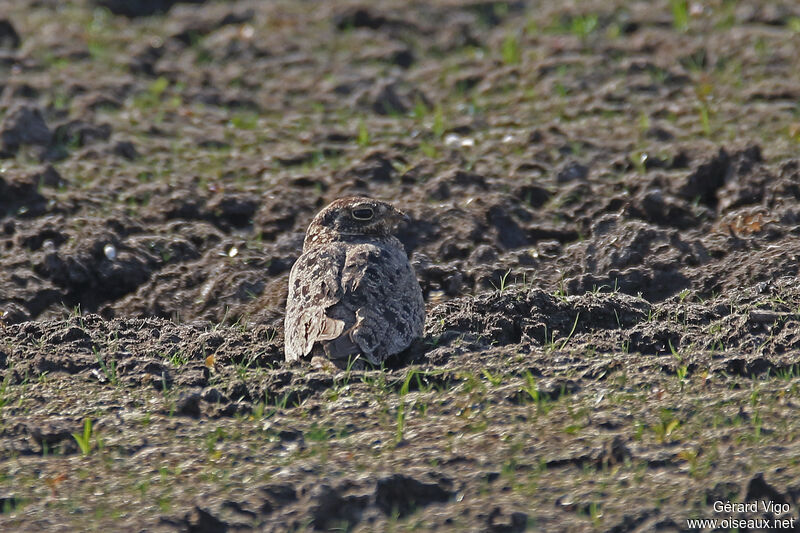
{"type": "Point", "coordinates": [110, 251]}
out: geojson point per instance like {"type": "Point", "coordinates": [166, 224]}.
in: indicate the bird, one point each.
{"type": "Point", "coordinates": [353, 294]}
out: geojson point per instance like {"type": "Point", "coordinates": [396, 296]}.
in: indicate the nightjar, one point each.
{"type": "Point", "coordinates": [353, 294]}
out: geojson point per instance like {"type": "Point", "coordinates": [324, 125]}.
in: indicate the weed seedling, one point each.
{"type": "Point", "coordinates": [109, 369]}
{"type": "Point", "coordinates": [703, 92]}
{"type": "Point", "coordinates": [681, 372]}
{"type": "Point", "coordinates": [4, 398]}
{"type": "Point", "coordinates": [438, 122]}
{"type": "Point", "coordinates": [503, 279]}
{"type": "Point", "coordinates": [511, 50]}
{"type": "Point", "coordinates": [680, 15]}
{"type": "Point", "coordinates": [574, 325]}
{"type": "Point", "coordinates": [83, 439]}
{"type": "Point", "coordinates": [401, 408]}
{"type": "Point", "coordinates": [363, 134]}
{"type": "Point", "coordinates": [583, 26]}
{"type": "Point", "coordinates": [666, 427]}
{"type": "Point", "coordinates": [531, 388]}
{"type": "Point", "coordinates": [494, 379]}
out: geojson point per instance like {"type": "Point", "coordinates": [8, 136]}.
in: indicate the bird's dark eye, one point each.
{"type": "Point", "coordinates": [362, 213]}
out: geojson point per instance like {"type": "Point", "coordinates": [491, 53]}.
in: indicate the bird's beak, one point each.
{"type": "Point", "coordinates": [401, 218]}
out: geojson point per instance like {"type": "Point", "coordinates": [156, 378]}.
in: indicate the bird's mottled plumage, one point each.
{"type": "Point", "coordinates": [352, 293]}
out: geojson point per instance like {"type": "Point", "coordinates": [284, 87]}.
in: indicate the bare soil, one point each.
{"type": "Point", "coordinates": [604, 220]}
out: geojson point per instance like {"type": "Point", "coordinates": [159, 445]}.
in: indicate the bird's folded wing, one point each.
{"type": "Point", "coordinates": [314, 286]}
{"type": "Point", "coordinates": [378, 282]}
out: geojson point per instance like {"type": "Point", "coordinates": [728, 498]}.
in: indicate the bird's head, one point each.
{"type": "Point", "coordinates": [354, 216]}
